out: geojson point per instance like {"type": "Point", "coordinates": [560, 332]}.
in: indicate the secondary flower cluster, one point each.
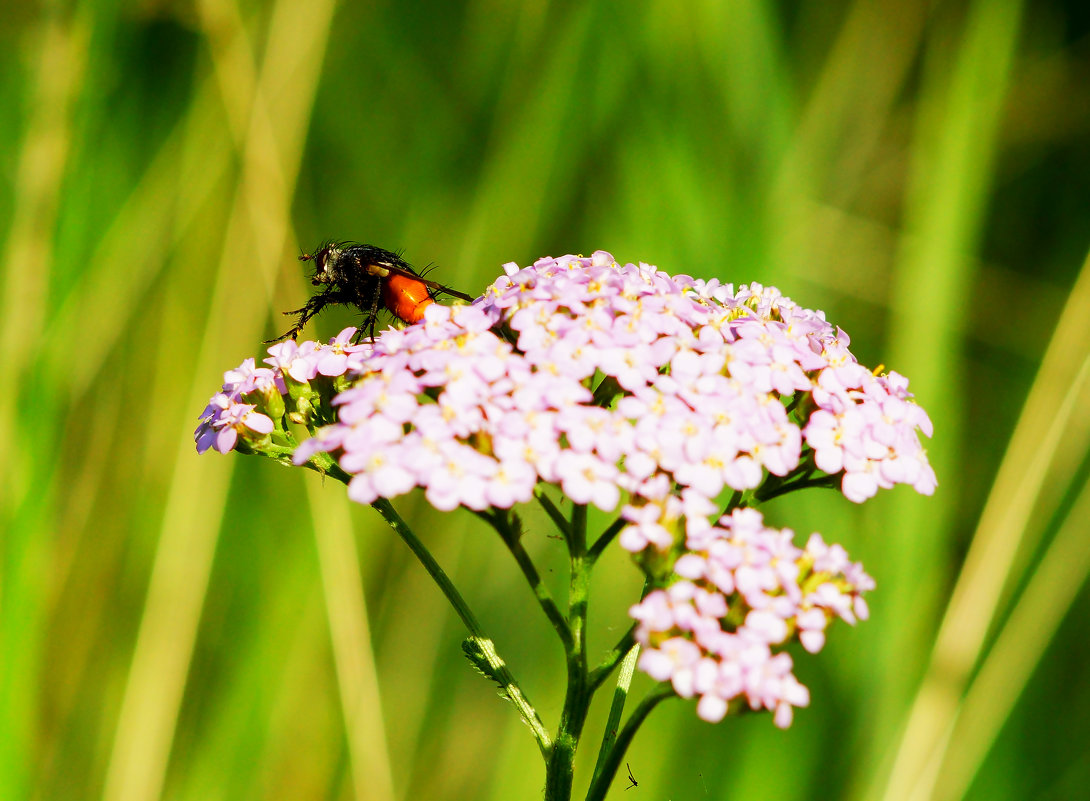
{"type": "Point", "coordinates": [745, 591]}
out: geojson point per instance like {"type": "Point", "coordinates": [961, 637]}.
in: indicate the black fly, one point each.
{"type": "Point", "coordinates": [369, 278]}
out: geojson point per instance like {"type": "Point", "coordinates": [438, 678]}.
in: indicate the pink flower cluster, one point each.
{"type": "Point", "coordinates": [228, 416]}
{"type": "Point", "coordinates": [607, 379]}
{"type": "Point", "coordinates": [745, 591]}
{"type": "Point", "coordinates": [306, 362]}
{"type": "Point", "coordinates": [628, 389]}
{"type": "Point", "coordinates": [251, 396]}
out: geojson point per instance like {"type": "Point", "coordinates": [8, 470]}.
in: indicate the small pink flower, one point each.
{"type": "Point", "coordinates": [225, 420]}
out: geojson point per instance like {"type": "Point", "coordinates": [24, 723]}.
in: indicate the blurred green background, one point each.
{"type": "Point", "coordinates": [182, 627]}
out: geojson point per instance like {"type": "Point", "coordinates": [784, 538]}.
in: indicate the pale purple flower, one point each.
{"type": "Point", "coordinates": [767, 626]}
{"type": "Point", "coordinates": [333, 359]}
{"type": "Point", "coordinates": [225, 420]}
{"type": "Point", "coordinates": [381, 479]}
{"type": "Point", "coordinates": [300, 362]}
{"type": "Point", "coordinates": [812, 623]}
{"type": "Point", "coordinates": [247, 378]}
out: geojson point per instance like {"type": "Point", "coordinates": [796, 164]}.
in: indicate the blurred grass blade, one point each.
{"type": "Point", "coordinates": [1047, 425]}
{"type": "Point", "coordinates": [852, 99]}
{"type": "Point", "coordinates": [529, 144]}
{"type": "Point", "coordinates": [141, 237]}
{"type": "Point", "coordinates": [745, 53]}
{"type": "Point", "coordinates": [27, 513]}
{"type": "Point", "coordinates": [1023, 642]}
{"type": "Point", "coordinates": [835, 147]}
{"type": "Point", "coordinates": [28, 252]}
{"type": "Point", "coordinates": [955, 141]}
{"type": "Point", "coordinates": [346, 609]}
{"type": "Point", "coordinates": [256, 231]}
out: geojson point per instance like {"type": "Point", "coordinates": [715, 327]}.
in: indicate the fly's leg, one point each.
{"type": "Point", "coordinates": [368, 324]}
{"type": "Point", "coordinates": [312, 308]}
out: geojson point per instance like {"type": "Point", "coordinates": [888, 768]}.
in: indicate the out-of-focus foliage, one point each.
{"type": "Point", "coordinates": [194, 628]}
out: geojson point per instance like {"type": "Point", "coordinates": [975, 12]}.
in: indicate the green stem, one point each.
{"type": "Point", "coordinates": [560, 764]}
{"type": "Point", "coordinates": [446, 586]}
{"type": "Point", "coordinates": [579, 529]}
{"type": "Point", "coordinates": [481, 649]}
{"type": "Point", "coordinates": [735, 501]}
{"type": "Point", "coordinates": [498, 668]}
{"type": "Point", "coordinates": [510, 531]}
{"type": "Point", "coordinates": [600, 785]}
{"type": "Point", "coordinates": [623, 646]}
{"type": "Point", "coordinates": [828, 482]}
{"type": "Point", "coordinates": [607, 537]}
{"type": "Point", "coordinates": [620, 695]}
{"type": "Point", "coordinates": [555, 515]}
{"type": "Point", "coordinates": [326, 465]}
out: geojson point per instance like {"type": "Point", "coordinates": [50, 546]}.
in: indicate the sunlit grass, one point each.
{"type": "Point", "coordinates": [184, 627]}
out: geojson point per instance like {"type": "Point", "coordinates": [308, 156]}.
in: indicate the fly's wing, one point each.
{"type": "Point", "coordinates": [383, 270]}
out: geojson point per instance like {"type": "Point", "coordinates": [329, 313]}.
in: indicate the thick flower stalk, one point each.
{"type": "Point", "coordinates": [676, 403]}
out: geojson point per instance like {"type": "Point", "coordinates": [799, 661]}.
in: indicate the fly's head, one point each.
{"type": "Point", "coordinates": [328, 263]}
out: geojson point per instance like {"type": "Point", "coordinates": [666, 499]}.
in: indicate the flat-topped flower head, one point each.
{"type": "Point", "coordinates": [598, 377]}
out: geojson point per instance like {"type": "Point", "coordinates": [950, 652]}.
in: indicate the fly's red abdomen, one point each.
{"type": "Point", "coordinates": [405, 297]}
